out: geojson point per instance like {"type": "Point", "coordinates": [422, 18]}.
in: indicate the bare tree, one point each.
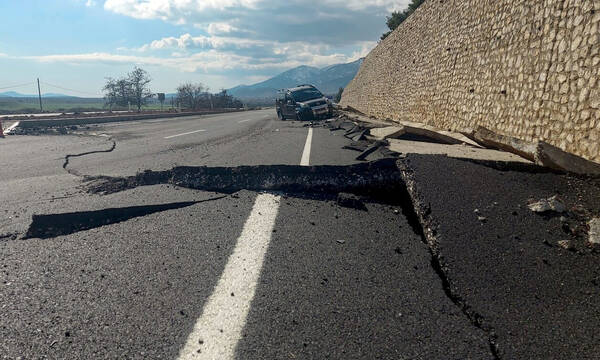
{"type": "Point", "coordinates": [139, 80]}
{"type": "Point", "coordinates": [130, 89]}
{"type": "Point", "coordinates": [191, 95]}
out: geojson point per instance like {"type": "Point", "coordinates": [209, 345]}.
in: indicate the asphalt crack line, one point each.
{"type": "Point", "coordinates": [418, 215]}
{"type": "Point", "coordinates": [68, 157]}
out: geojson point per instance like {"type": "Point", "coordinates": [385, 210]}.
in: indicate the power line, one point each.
{"type": "Point", "coordinates": [15, 86]}
{"type": "Point", "coordinates": [64, 88]}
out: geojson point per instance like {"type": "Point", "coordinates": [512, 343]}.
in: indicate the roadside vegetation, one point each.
{"type": "Point", "coordinates": [132, 89]}
{"type": "Point", "coordinates": [196, 96]}
{"type": "Point", "coordinates": [398, 17]}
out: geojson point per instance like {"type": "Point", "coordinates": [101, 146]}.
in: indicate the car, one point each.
{"type": "Point", "coordinates": [304, 102]}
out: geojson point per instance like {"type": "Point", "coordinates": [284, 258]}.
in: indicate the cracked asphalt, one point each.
{"type": "Point", "coordinates": [133, 272]}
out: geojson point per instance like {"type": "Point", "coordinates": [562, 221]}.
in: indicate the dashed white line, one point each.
{"type": "Point", "coordinates": [217, 332]}
{"type": "Point", "coordinates": [187, 133]}
{"type": "Point", "coordinates": [219, 329]}
{"type": "Point", "coordinates": [306, 154]}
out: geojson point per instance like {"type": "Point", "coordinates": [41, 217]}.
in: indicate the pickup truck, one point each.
{"type": "Point", "coordinates": [303, 102]}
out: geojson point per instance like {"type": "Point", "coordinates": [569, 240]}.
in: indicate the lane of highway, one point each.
{"type": "Point", "coordinates": [282, 276]}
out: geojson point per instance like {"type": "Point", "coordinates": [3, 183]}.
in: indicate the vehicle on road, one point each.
{"type": "Point", "coordinates": [304, 102]}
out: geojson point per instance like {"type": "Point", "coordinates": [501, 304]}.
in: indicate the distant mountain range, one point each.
{"type": "Point", "coordinates": [15, 94]}
{"type": "Point", "coordinates": [328, 80]}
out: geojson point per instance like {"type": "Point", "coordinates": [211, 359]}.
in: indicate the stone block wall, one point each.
{"type": "Point", "coordinates": [524, 68]}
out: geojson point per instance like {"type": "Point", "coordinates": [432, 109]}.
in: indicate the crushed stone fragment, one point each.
{"type": "Point", "coordinates": [546, 205]}
{"type": "Point", "coordinates": [594, 233]}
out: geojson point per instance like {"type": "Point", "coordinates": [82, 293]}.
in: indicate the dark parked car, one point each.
{"type": "Point", "coordinates": [304, 102]}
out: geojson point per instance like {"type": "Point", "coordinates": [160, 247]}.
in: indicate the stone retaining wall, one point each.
{"type": "Point", "coordinates": [523, 68]}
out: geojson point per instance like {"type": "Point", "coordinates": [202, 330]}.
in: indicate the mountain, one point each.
{"type": "Point", "coordinates": [328, 79]}
{"type": "Point", "coordinates": [15, 94]}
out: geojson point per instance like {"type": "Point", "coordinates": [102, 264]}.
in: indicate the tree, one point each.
{"type": "Point", "coordinates": [117, 92]}
{"type": "Point", "coordinates": [139, 80]}
{"type": "Point", "coordinates": [130, 89]}
{"type": "Point", "coordinates": [190, 95]}
{"type": "Point", "coordinates": [398, 17]}
{"type": "Point", "coordinates": [338, 96]}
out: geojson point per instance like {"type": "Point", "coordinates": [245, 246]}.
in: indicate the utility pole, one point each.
{"type": "Point", "coordinates": [40, 95]}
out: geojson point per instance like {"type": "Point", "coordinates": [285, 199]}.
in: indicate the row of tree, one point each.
{"type": "Point", "coordinates": [196, 96]}
{"type": "Point", "coordinates": [133, 89]}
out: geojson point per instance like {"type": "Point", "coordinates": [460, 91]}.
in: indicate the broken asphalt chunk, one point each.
{"type": "Point", "coordinates": [357, 146]}
{"type": "Point", "coordinates": [371, 149]}
{"type": "Point", "coordinates": [359, 136]}
{"type": "Point", "coordinates": [357, 178]}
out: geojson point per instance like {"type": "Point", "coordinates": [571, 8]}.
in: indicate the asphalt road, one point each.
{"type": "Point", "coordinates": [165, 272]}
{"type": "Point", "coordinates": [207, 275]}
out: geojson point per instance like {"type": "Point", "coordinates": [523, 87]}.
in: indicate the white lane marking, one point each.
{"type": "Point", "coordinates": [218, 330]}
{"type": "Point", "coordinates": [187, 133]}
{"type": "Point", "coordinates": [306, 154]}
{"type": "Point", "coordinates": [11, 128]}
{"type": "Point", "coordinates": [264, 117]}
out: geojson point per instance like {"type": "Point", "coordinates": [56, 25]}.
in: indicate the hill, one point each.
{"type": "Point", "coordinates": [328, 79]}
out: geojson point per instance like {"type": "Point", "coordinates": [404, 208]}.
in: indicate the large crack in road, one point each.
{"type": "Point", "coordinates": [419, 214]}
{"type": "Point", "coordinates": [383, 181]}
{"type": "Point", "coordinates": [362, 179]}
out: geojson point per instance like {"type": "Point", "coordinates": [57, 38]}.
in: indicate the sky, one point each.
{"type": "Point", "coordinates": [74, 45]}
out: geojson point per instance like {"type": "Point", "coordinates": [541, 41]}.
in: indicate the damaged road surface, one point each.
{"type": "Point", "coordinates": [239, 236]}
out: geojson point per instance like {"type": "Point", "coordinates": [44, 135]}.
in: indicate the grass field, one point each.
{"type": "Point", "coordinates": [9, 105]}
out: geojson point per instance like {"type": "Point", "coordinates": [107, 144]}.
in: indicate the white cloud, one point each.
{"type": "Point", "coordinates": [220, 28]}
{"type": "Point", "coordinates": [176, 11]}
{"type": "Point", "coordinates": [90, 3]}
{"type": "Point", "coordinates": [205, 61]}
{"type": "Point", "coordinates": [364, 4]}
{"type": "Point", "coordinates": [297, 52]}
